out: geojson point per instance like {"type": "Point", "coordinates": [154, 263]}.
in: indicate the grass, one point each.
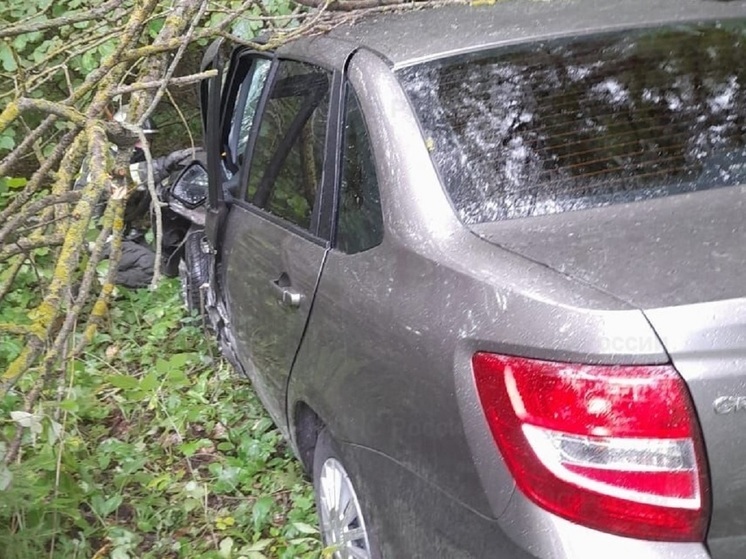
{"type": "Point", "coordinates": [153, 448]}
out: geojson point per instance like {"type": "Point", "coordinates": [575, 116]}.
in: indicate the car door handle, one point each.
{"type": "Point", "coordinates": [286, 294]}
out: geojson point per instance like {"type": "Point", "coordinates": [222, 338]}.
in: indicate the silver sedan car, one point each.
{"type": "Point", "coordinates": [485, 267]}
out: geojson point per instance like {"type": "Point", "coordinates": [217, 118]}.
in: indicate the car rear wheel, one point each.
{"type": "Point", "coordinates": [344, 530]}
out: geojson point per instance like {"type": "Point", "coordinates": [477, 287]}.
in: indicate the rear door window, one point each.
{"type": "Point", "coordinates": [566, 124]}
{"type": "Point", "coordinates": [360, 224]}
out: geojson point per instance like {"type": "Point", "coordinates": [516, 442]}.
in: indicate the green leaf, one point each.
{"type": "Point", "coordinates": [107, 48]}
{"type": "Point", "coordinates": [7, 142]}
{"type": "Point", "coordinates": [88, 62]}
{"type": "Point", "coordinates": [6, 58]}
{"type": "Point", "coordinates": [190, 448]}
{"type": "Point", "coordinates": [18, 182]}
{"type": "Point", "coordinates": [261, 510]}
{"type": "Point", "coordinates": [104, 507]}
{"type": "Point", "coordinates": [226, 548]}
{"type": "Point", "coordinates": [6, 476]}
{"type": "Point", "coordinates": [304, 528]}
{"type": "Point", "coordinates": [20, 42]}
{"type": "Point", "coordinates": [149, 382]}
{"type": "Point", "coordinates": [155, 26]}
{"type": "Point", "coordinates": [69, 405]}
{"type": "Point", "coordinates": [125, 382]}
{"type": "Point", "coordinates": [29, 420]}
{"type": "Point", "coordinates": [262, 425]}
{"type": "Point", "coordinates": [259, 545]}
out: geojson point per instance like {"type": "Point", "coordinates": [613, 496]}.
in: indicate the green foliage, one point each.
{"type": "Point", "coordinates": [152, 448]}
{"type": "Point", "coordinates": [147, 445]}
{"type": "Point", "coordinates": [8, 186]}
{"type": "Point", "coordinates": [40, 50]}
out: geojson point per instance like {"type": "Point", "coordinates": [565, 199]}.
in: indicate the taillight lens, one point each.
{"type": "Point", "coordinates": [615, 448]}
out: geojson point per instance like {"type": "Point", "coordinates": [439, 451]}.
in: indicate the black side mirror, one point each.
{"type": "Point", "coordinates": [190, 188]}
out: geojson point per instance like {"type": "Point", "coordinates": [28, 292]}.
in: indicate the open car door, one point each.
{"type": "Point", "coordinates": [273, 249]}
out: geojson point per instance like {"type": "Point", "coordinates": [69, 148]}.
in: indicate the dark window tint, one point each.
{"type": "Point", "coordinates": [360, 225]}
{"type": "Point", "coordinates": [564, 125]}
{"type": "Point", "coordinates": [287, 164]}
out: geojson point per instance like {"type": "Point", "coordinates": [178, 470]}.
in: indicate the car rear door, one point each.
{"type": "Point", "coordinates": [273, 246]}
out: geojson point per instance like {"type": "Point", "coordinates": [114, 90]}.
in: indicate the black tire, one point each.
{"type": "Point", "coordinates": [194, 270]}
{"type": "Point", "coordinates": [326, 453]}
{"type": "Point", "coordinates": [175, 230]}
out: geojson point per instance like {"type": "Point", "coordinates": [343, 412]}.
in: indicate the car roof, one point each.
{"type": "Point", "coordinates": [407, 37]}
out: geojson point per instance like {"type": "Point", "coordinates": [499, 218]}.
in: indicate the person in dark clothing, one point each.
{"type": "Point", "coordinates": [137, 263]}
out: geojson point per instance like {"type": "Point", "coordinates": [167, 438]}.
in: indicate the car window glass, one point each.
{"type": "Point", "coordinates": [568, 124]}
{"type": "Point", "coordinates": [287, 163]}
{"type": "Point", "coordinates": [239, 105]}
{"type": "Point", "coordinates": [249, 93]}
{"type": "Point", "coordinates": [360, 224]}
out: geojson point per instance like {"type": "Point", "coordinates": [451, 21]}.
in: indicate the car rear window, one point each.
{"type": "Point", "coordinates": [569, 124]}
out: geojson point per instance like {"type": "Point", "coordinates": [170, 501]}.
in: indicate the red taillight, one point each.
{"type": "Point", "coordinates": [615, 448]}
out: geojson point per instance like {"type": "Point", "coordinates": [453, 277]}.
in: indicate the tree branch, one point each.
{"type": "Point", "coordinates": [351, 5]}
{"type": "Point", "coordinates": [173, 82]}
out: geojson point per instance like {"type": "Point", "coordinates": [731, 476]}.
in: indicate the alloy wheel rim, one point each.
{"type": "Point", "coordinates": [342, 525]}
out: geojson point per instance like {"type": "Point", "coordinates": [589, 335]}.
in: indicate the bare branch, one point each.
{"type": "Point", "coordinates": [195, 19]}
{"type": "Point", "coordinates": [183, 119]}
{"type": "Point", "coordinates": [20, 150]}
{"type": "Point", "coordinates": [349, 5]}
{"type": "Point", "coordinates": [32, 209]}
{"type": "Point", "coordinates": [173, 82]}
{"type": "Point", "coordinates": [49, 107]}
{"type": "Point", "coordinates": [70, 151]}
{"type": "Point", "coordinates": [12, 272]}
{"type": "Point", "coordinates": [25, 246]}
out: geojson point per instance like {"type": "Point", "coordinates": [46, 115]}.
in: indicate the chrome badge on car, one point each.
{"type": "Point", "coordinates": [729, 404]}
